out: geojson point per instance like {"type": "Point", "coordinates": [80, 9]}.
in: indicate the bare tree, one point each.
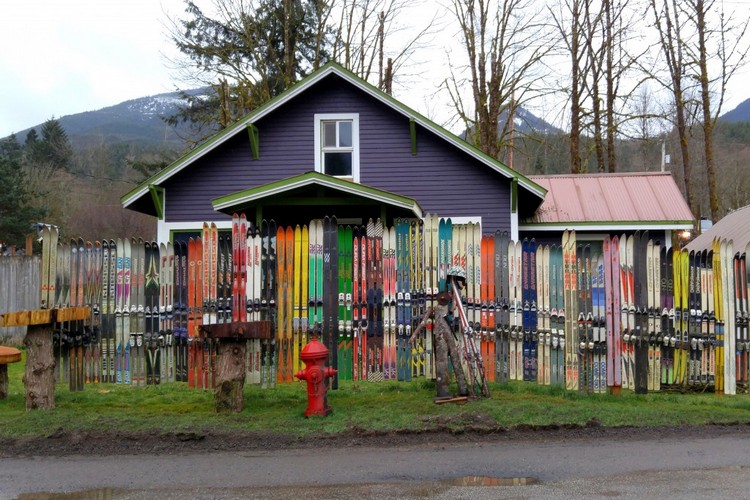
{"type": "Point", "coordinates": [595, 50]}
{"type": "Point", "coordinates": [645, 127]}
{"type": "Point", "coordinates": [730, 52]}
{"type": "Point", "coordinates": [702, 49]}
{"type": "Point", "coordinates": [619, 21]}
{"type": "Point", "coordinates": [372, 31]}
{"type": "Point", "coordinates": [505, 43]}
{"type": "Point", "coordinates": [668, 23]}
{"type": "Point", "coordinates": [597, 38]}
{"type": "Point", "coordinates": [569, 21]}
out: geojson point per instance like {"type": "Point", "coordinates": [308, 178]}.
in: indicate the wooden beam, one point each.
{"type": "Point", "coordinates": [72, 313]}
{"type": "Point", "coordinates": [254, 136]}
{"type": "Point", "coordinates": [157, 196]}
{"type": "Point", "coordinates": [44, 316]}
{"type": "Point", "coordinates": [26, 318]}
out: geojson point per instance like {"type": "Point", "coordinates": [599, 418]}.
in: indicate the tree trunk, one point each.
{"type": "Point", "coordinates": [672, 44]}
{"type": "Point", "coordinates": [381, 71]}
{"type": "Point", "coordinates": [39, 377]}
{"type": "Point", "coordinates": [230, 376]}
{"type": "Point", "coordinates": [389, 77]}
{"type": "Point", "coordinates": [595, 71]}
{"type": "Point", "coordinates": [685, 154]}
{"type": "Point", "coordinates": [708, 124]}
{"type": "Point", "coordinates": [611, 92]}
{"type": "Point", "coordinates": [7, 355]}
{"type": "Point", "coordinates": [289, 50]}
{"type": "Point", "coordinates": [598, 142]}
{"type": "Point", "coordinates": [575, 91]}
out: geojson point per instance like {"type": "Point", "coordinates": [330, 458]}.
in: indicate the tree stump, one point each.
{"type": "Point", "coordinates": [39, 377]}
{"type": "Point", "coordinates": [230, 376]}
{"type": "Point", "coordinates": [7, 355]}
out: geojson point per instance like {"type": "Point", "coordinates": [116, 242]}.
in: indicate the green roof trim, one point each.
{"type": "Point", "coordinates": [318, 179]}
{"type": "Point", "coordinates": [252, 131]}
{"type": "Point", "coordinates": [157, 196]}
{"type": "Point", "coordinates": [300, 87]}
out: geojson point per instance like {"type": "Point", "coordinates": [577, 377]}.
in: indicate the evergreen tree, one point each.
{"type": "Point", "coordinates": [11, 147]}
{"type": "Point", "coordinates": [52, 150]}
{"type": "Point", "coordinates": [56, 145]}
{"type": "Point", "coordinates": [250, 52]}
{"type": "Point", "coordinates": [32, 138]}
{"type": "Point", "coordinates": [16, 214]}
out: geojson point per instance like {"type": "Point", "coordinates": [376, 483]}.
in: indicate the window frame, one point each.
{"type": "Point", "coordinates": [338, 117]}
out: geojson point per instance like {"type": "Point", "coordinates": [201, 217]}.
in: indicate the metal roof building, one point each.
{"type": "Point", "coordinates": [735, 226]}
{"type": "Point", "coordinates": [610, 203]}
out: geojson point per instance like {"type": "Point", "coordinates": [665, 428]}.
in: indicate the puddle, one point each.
{"type": "Point", "coordinates": [491, 481]}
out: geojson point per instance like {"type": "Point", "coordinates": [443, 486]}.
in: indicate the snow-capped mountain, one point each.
{"type": "Point", "coordinates": [140, 121]}
{"type": "Point", "coordinates": [137, 121]}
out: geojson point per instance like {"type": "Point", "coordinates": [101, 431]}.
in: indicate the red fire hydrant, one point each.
{"type": "Point", "coordinates": [315, 354]}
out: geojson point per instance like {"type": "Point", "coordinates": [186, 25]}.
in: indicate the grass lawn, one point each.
{"type": "Point", "coordinates": [387, 406]}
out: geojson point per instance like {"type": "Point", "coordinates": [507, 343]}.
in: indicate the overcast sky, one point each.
{"type": "Point", "coordinates": [62, 57]}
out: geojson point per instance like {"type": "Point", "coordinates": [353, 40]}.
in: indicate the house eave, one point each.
{"type": "Point", "coordinates": [229, 203]}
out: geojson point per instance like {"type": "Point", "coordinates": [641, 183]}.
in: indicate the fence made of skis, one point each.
{"type": "Point", "coordinates": [627, 312]}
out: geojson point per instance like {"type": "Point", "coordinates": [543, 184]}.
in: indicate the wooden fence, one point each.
{"type": "Point", "coordinates": [20, 279]}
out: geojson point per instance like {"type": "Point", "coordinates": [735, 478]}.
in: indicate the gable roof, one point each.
{"type": "Point", "coordinates": [734, 226]}
{"type": "Point", "coordinates": [641, 200]}
{"type": "Point", "coordinates": [300, 87]}
{"type": "Point", "coordinates": [238, 201]}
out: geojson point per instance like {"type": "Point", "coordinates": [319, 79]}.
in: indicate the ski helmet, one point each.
{"type": "Point", "coordinates": [457, 272]}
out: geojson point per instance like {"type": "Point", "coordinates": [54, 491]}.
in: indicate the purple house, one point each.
{"type": "Point", "coordinates": [335, 145]}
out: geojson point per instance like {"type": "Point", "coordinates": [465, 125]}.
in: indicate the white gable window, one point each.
{"type": "Point", "coordinates": [337, 145]}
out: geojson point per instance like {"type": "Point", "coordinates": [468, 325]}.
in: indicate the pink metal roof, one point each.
{"type": "Point", "coordinates": [640, 197]}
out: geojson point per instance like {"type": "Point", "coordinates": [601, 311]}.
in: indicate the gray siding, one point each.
{"type": "Point", "coordinates": [442, 179]}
